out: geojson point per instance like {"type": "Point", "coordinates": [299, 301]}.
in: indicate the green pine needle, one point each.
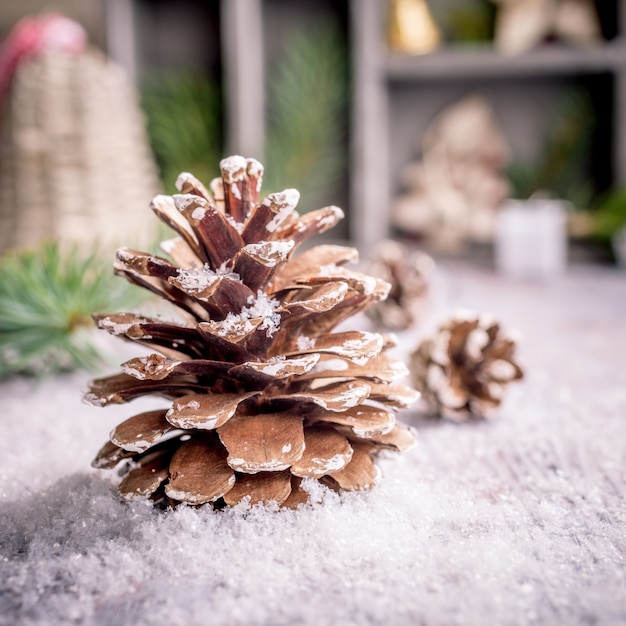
{"type": "Point", "coordinates": [47, 296]}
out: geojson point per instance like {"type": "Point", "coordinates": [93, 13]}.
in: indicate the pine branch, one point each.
{"type": "Point", "coordinates": [47, 296]}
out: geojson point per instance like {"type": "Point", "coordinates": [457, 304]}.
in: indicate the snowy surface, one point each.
{"type": "Point", "coordinates": [520, 520]}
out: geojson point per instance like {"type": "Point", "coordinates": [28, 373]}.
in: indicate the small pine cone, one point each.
{"type": "Point", "coordinates": [463, 368]}
{"type": "Point", "coordinates": [260, 392]}
{"type": "Point", "coordinates": [408, 274]}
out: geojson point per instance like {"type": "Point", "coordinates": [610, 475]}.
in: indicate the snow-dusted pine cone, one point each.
{"type": "Point", "coordinates": [463, 368]}
{"type": "Point", "coordinates": [261, 392]}
{"type": "Point", "coordinates": [408, 274]}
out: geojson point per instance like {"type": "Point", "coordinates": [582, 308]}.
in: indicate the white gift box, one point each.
{"type": "Point", "coordinates": [531, 238]}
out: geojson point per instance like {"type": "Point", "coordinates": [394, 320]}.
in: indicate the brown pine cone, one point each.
{"type": "Point", "coordinates": [463, 369]}
{"type": "Point", "coordinates": [408, 274]}
{"type": "Point", "coordinates": [259, 391]}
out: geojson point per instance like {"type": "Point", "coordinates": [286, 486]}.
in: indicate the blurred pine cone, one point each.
{"type": "Point", "coordinates": [262, 392]}
{"type": "Point", "coordinates": [463, 368]}
{"type": "Point", "coordinates": [408, 274]}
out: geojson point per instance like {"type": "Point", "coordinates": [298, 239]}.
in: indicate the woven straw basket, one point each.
{"type": "Point", "coordinates": [75, 162]}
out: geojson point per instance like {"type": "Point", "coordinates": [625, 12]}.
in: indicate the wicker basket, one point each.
{"type": "Point", "coordinates": [75, 162]}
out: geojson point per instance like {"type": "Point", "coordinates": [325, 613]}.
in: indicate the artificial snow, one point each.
{"type": "Point", "coordinates": [354, 348]}
{"type": "Point", "coordinates": [287, 200]}
{"type": "Point", "coordinates": [231, 325]}
{"type": "Point", "coordinates": [254, 167]}
{"type": "Point", "coordinates": [238, 226]}
{"type": "Point", "coordinates": [264, 307]}
{"type": "Point", "coordinates": [331, 365]}
{"type": "Point", "coordinates": [233, 168]}
{"type": "Point", "coordinates": [513, 521]}
{"type": "Point", "coordinates": [476, 340]}
{"type": "Point", "coordinates": [197, 279]}
{"type": "Point", "coordinates": [321, 466]}
{"type": "Point", "coordinates": [351, 397]}
{"type": "Point", "coordinates": [305, 343]}
{"type": "Point", "coordinates": [115, 328]}
{"type": "Point", "coordinates": [234, 189]}
{"type": "Point", "coordinates": [270, 252]}
{"type": "Point", "coordinates": [274, 366]}
{"type": "Point", "coordinates": [198, 213]}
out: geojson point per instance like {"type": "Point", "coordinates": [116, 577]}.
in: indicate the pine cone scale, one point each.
{"type": "Point", "coordinates": [334, 397]}
{"type": "Point", "coordinates": [219, 239]}
{"type": "Point", "coordinates": [355, 345]}
{"type": "Point", "coordinates": [142, 482]}
{"type": "Point", "coordinates": [360, 473]}
{"type": "Point", "coordinates": [312, 223]}
{"type": "Point", "coordinates": [198, 472]}
{"type": "Point", "coordinates": [110, 455]}
{"type": "Point", "coordinates": [121, 388]}
{"type": "Point", "coordinates": [396, 396]}
{"type": "Point", "coordinates": [179, 341]}
{"type": "Point", "coordinates": [236, 191]}
{"type": "Point", "coordinates": [363, 421]}
{"type": "Point", "coordinates": [264, 442]}
{"type": "Point", "coordinates": [145, 264]}
{"type": "Point", "coordinates": [165, 209]}
{"type": "Point", "coordinates": [310, 262]}
{"type": "Point", "coordinates": [187, 183]}
{"type": "Point", "coordinates": [325, 451]}
{"type": "Point", "coordinates": [263, 487]}
{"type": "Point", "coordinates": [400, 438]}
{"type": "Point", "coordinates": [381, 369]}
{"type": "Point", "coordinates": [157, 367]}
{"type": "Point", "coordinates": [256, 263]}
{"type": "Point", "coordinates": [217, 293]}
{"type": "Point", "coordinates": [218, 347]}
{"type": "Point", "coordinates": [142, 431]}
{"type": "Point", "coordinates": [180, 253]}
{"type": "Point", "coordinates": [269, 215]}
{"type": "Point", "coordinates": [205, 411]}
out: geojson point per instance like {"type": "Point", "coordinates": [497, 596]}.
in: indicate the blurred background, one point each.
{"type": "Point", "coordinates": [420, 120]}
{"type": "Point", "coordinates": [492, 131]}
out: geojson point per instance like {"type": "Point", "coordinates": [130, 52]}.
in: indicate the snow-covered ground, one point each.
{"type": "Point", "coordinates": [519, 520]}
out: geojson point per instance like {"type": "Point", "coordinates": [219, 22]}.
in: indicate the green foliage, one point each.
{"type": "Point", "coordinates": [184, 124]}
{"type": "Point", "coordinates": [307, 116]}
{"type": "Point", "coordinates": [47, 296]}
{"type": "Point", "coordinates": [466, 22]}
{"type": "Point", "coordinates": [609, 214]}
{"type": "Point", "coordinates": [560, 168]}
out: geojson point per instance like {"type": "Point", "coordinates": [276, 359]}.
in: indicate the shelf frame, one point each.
{"type": "Point", "coordinates": [376, 71]}
{"type": "Point", "coordinates": [480, 62]}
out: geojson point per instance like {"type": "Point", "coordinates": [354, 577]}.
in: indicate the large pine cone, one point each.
{"type": "Point", "coordinates": [262, 392]}
{"type": "Point", "coordinates": [463, 368]}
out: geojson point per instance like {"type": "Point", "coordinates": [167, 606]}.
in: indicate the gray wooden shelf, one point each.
{"type": "Point", "coordinates": [479, 62]}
